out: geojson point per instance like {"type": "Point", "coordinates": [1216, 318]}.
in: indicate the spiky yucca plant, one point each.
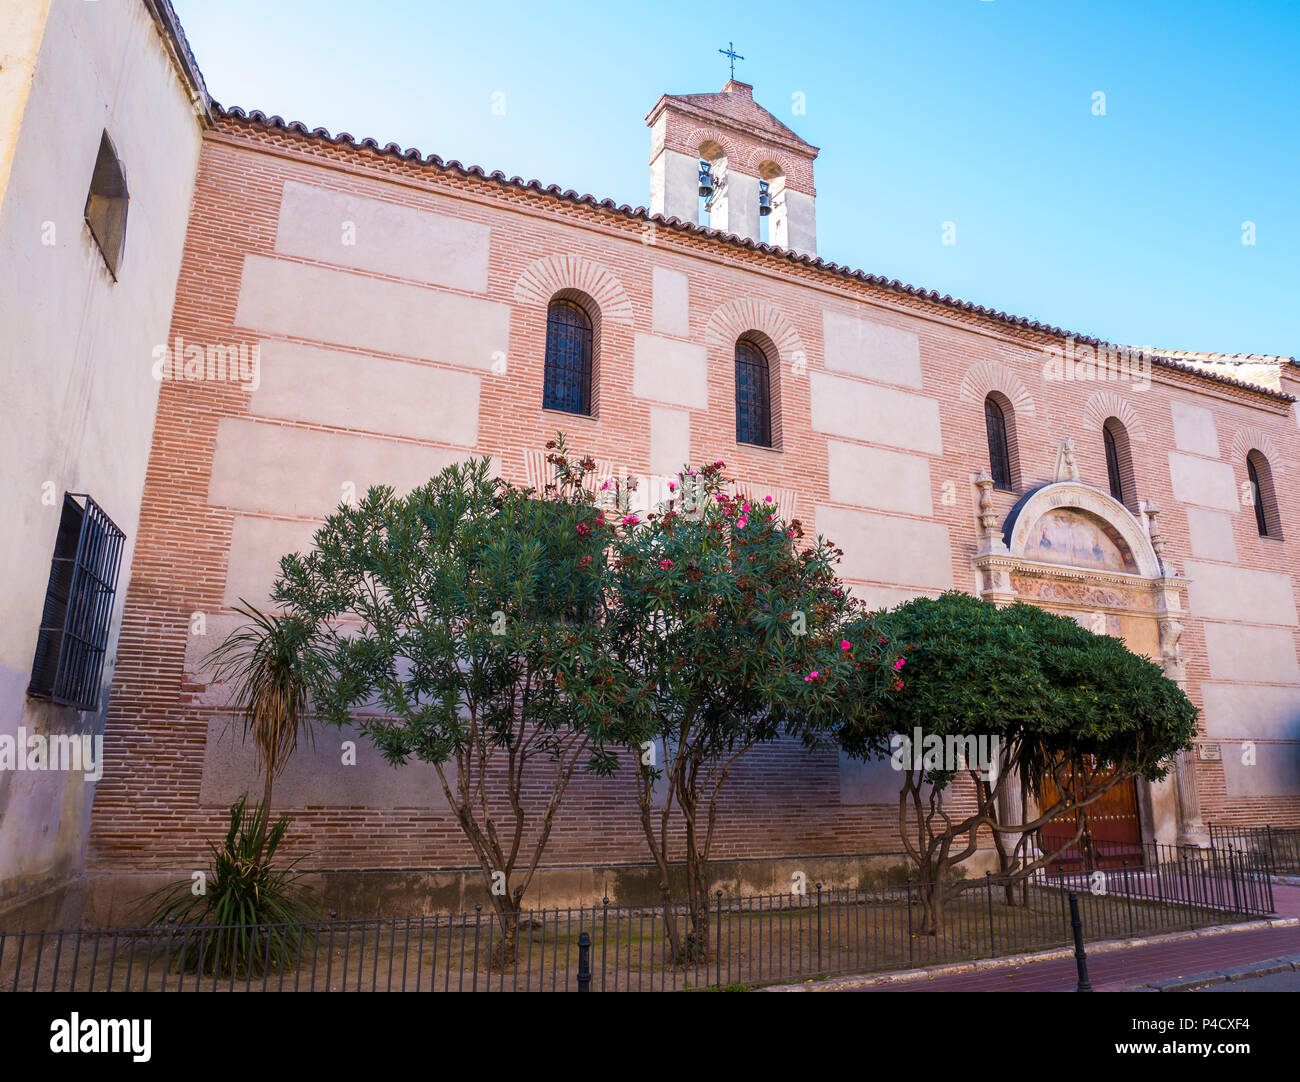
{"type": "Point", "coordinates": [267, 661]}
{"type": "Point", "coordinates": [242, 920]}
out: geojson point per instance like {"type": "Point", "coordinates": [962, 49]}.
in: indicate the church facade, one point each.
{"type": "Point", "coordinates": [349, 314]}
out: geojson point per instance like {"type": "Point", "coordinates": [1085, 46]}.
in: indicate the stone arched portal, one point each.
{"type": "Point", "coordinates": [1071, 548]}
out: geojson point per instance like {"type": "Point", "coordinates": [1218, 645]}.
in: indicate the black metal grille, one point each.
{"type": "Point", "coordinates": [568, 359]}
{"type": "Point", "coordinates": [1112, 465]}
{"type": "Point", "coordinates": [753, 397]}
{"type": "Point", "coordinates": [995, 423]}
{"type": "Point", "coordinates": [78, 608]}
{"type": "Point", "coordinates": [747, 940]}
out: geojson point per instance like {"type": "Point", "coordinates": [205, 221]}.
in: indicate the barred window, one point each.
{"type": "Point", "coordinates": [995, 424]}
{"type": "Point", "coordinates": [78, 609]}
{"type": "Point", "coordinates": [567, 384]}
{"type": "Point", "coordinates": [753, 396]}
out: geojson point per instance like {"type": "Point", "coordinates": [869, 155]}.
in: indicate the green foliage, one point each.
{"type": "Point", "coordinates": [464, 613]}
{"type": "Point", "coordinates": [267, 660]}
{"type": "Point", "coordinates": [1047, 687]}
{"type": "Point", "coordinates": [733, 627]}
{"type": "Point", "coordinates": [240, 922]}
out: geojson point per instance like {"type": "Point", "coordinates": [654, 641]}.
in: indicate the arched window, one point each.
{"type": "Point", "coordinates": [106, 205]}
{"type": "Point", "coordinates": [569, 341]}
{"type": "Point", "coordinates": [753, 395]}
{"type": "Point", "coordinates": [1263, 495]}
{"type": "Point", "coordinates": [1119, 462]}
{"type": "Point", "coordinates": [996, 426]}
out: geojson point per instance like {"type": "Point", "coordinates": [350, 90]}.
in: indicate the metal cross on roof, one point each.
{"type": "Point", "coordinates": [730, 51]}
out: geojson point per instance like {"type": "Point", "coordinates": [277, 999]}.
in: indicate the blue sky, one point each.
{"type": "Point", "coordinates": [1127, 226]}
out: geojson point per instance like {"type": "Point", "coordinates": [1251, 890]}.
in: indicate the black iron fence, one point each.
{"type": "Point", "coordinates": [1278, 848]}
{"type": "Point", "coordinates": [732, 942]}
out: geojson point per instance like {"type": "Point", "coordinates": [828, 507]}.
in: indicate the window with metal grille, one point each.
{"type": "Point", "coordinates": [106, 205]}
{"type": "Point", "coordinates": [753, 396]}
{"type": "Point", "coordinates": [78, 609]}
{"type": "Point", "coordinates": [1112, 465]}
{"type": "Point", "coordinates": [567, 383]}
{"type": "Point", "coordinates": [995, 424]}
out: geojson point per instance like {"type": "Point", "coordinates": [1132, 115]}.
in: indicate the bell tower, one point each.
{"type": "Point", "coordinates": [724, 161]}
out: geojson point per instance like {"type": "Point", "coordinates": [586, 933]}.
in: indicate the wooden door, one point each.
{"type": "Point", "coordinates": [1112, 831]}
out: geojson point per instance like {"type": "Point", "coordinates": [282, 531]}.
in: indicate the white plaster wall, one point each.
{"type": "Point", "coordinates": [76, 351]}
{"type": "Point", "coordinates": [670, 440]}
{"type": "Point", "coordinates": [675, 186]}
{"type": "Point", "coordinates": [374, 394]}
{"type": "Point", "coordinates": [882, 480]}
{"type": "Point", "coordinates": [1194, 429]}
{"type": "Point", "coordinates": [671, 303]}
{"type": "Point", "coordinates": [388, 238]}
{"type": "Point", "coordinates": [862, 347]}
{"type": "Point", "coordinates": [667, 370]}
{"type": "Point", "coordinates": [1211, 535]}
{"type": "Point", "coordinates": [881, 548]}
{"type": "Point", "coordinates": [1200, 481]}
{"type": "Point", "coordinates": [280, 296]}
{"type": "Point", "coordinates": [844, 407]}
{"type": "Point", "coordinates": [286, 470]}
{"type": "Point", "coordinates": [1225, 593]}
{"type": "Point", "coordinates": [798, 231]}
{"type": "Point", "coordinates": [737, 209]}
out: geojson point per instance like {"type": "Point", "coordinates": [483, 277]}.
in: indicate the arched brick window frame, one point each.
{"type": "Point", "coordinates": [757, 375]}
{"type": "Point", "coordinates": [1259, 473]}
{"type": "Point", "coordinates": [1119, 463]}
{"type": "Point", "coordinates": [1003, 446]}
{"type": "Point", "coordinates": [570, 378]}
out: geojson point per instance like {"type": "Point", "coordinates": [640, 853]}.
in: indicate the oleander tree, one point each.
{"type": "Point", "coordinates": [461, 626]}
{"type": "Point", "coordinates": [733, 626]}
{"type": "Point", "coordinates": [1071, 714]}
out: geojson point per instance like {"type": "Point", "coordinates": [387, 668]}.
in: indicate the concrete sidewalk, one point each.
{"type": "Point", "coordinates": [1164, 963]}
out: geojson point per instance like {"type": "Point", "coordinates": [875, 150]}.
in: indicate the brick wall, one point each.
{"type": "Point", "coordinates": [148, 808]}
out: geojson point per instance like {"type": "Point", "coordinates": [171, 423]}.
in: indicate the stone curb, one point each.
{"type": "Point", "coordinates": [1285, 964]}
{"type": "Point", "coordinates": [840, 984]}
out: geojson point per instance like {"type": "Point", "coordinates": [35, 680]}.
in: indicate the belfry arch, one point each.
{"type": "Point", "coordinates": [1075, 550]}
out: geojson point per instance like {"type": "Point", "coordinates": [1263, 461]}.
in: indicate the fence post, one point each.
{"type": "Point", "coordinates": [478, 920]}
{"type": "Point", "coordinates": [584, 962]}
{"type": "Point", "coordinates": [819, 927]}
{"type": "Point", "coordinates": [988, 882]}
{"type": "Point", "coordinates": [1272, 864]}
{"type": "Point", "coordinates": [604, 941]}
{"type": "Point", "coordinates": [717, 940]}
{"type": "Point", "coordinates": [910, 938]}
{"type": "Point", "coordinates": [1128, 893]}
{"type": "Point", "coordinates": [1080, 958]}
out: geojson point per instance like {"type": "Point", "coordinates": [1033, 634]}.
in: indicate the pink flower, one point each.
{"type": "Point", "coordinates": [740, 522]}
{"type": "Point", "coordinates": [745, 508]}
{"type": "Point", "coordinates": [899, 663]}
{"type": "Point", "coordinates": [898, 685]}
{"type": "Point", "coordinates": [767, 499]}
{"type": "Point", "coordinates": [814, 675]}
{"type": "Point", "coordinates": [630, 520]}
{"type": "Point", "coordinates": [789, 533]}
{"type": "Point", "coordinates": [604, 485]}
{"type": "Point", "coordinates": [845, 644]}
{"type": "Point", "coordinates": [666, 565]}
{"type": "Point", "coordinates": [672, 486]}
{"type": "Point", "coordinates": [583, 528]}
